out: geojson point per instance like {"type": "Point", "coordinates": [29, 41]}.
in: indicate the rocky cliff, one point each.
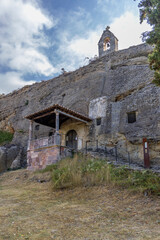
{"type": "Point", "coordinates": [123, 77]}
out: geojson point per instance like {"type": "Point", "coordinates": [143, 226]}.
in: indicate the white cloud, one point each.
{"type": "Point", "coordinates": [128, 30]}
{"type": "Point", "coordinates": [85, 47]}
{"type": "Point", "coordinates": [21, 37]}
{"type": "Point", "coordinates": [30, 60]}
{"type": "Point", "coordinates": [77, 49]}
{"type": "Point", "coordinates": [12, 80]}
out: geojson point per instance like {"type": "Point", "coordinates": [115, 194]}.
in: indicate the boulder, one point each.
{"type": "Point", "coordinates": [17, 161]}
{"type": "Point", "coordinates": [12, 153]}
{"type": "Point", "coordinates": [2, 159]}
{"type": "Point", "coordinates": [7, 155]}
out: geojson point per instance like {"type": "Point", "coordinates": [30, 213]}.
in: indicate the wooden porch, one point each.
{"type": "Point", "coordinates": [48, 150]}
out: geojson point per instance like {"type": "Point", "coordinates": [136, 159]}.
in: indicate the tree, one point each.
{"type": "Point", "coordinates": [150, 11]}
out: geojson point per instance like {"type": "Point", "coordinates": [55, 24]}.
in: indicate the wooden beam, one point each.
{"type": "Point", "coordinates": [71, 116]}
{"type": "Point", "coordinates": [44, 115]}
{"type": "Point", "coordinates": [63, 113]}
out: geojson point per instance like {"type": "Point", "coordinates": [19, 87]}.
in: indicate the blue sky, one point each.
{"type": "Point", "coordinates": [40, 37]}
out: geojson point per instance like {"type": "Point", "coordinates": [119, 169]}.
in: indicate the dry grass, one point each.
{"type": "Point", "coordinates": [29, 209]}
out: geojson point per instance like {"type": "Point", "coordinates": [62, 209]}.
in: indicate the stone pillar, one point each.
{"type": "Point", "coordinates": [30, 134]}
{"type": "Point", "coordinates": [57, 136]}
{"type": "Point", "coordinates": [57, 122]}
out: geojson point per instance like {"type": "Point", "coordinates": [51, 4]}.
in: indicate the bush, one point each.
{"type": "Point", "coordinates": [67, 174]}
{"type": "Point", "coordinates": [146, 180]}
{"type": "Point", "coordinates": [5, 137]}
{"type": "Point", "coordinates": [81, 171]}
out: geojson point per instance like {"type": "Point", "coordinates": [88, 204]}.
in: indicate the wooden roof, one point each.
{"type": "Point", "coordinates": [47, 115]}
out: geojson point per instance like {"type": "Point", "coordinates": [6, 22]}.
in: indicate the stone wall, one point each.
{"type": "Point", "coordinates": [40, 158]}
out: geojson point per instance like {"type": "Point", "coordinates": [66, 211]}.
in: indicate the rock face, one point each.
{"type": "Point", "coordinates": [121, 79]}
{"type": "Point", "coordinates": [2, 159]}
{"type": "Point", "coordinates": [7, 155]}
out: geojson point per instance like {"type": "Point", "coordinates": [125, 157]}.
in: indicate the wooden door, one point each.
{"type": "Point", "coordinates": [71, 139]}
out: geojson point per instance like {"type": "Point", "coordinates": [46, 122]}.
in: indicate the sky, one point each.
{"type": "Point", "coordinates": [40, 37]}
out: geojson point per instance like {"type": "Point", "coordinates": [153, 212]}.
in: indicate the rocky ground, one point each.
{"type": "Point", "coordinates": [30, 209]}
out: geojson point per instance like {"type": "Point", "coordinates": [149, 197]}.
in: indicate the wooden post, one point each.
{"type": "Point", "coordinates": [30, 134]}
{"type": "Point", "coordinates": [146, 153]}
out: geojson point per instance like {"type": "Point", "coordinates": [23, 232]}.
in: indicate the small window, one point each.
{"type": "Point", "coordinates": [131, 117]}
{"type": "Point", "coordinates": [98, 121]}
{"type": "Point", "coordinates": [37, 127]}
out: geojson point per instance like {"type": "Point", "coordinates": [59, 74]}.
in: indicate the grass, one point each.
{"type": "Point", "coordinates": [30, 209]}
{"type": "Point", "coordinates": [5, 137]}
{"type": "Point", "coordinates": [81, 171]}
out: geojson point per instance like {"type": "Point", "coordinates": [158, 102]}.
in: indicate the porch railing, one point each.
{"type": "Point", "coordinates": [56, 139]}
{"type": "Point", "coordinates": [45, 141]}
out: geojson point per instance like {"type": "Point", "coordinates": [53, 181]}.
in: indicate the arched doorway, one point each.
{"type": "Point", "coordinates": [71, 139]}
{"type": "Point", "coordinates": [106, 44]}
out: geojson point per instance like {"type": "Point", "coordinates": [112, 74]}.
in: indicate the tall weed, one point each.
{"type": "Point", "coordinates": [82, 171]}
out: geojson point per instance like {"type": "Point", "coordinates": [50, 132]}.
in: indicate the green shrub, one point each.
{"type": "Point", "coordinates": [146, 180]}
{"type": "Point", "coordinates": [5, 137]}
{"type": "Point", "coordinates": [81, 171]}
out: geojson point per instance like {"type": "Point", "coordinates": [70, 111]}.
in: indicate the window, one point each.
{"type": "Point", "coordinates": [131, 117]}
{"type": "Point", "coordinates": [98, 121]}
{"type": "Point", "coordinates": [37, 127]}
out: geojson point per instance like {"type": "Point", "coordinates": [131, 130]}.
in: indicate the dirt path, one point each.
{"type": "Point", "coordinates": [29, 209]}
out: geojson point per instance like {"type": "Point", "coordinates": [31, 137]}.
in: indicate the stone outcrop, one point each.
{"type": "Point", "coordinates": [122, 77]}
{"type": "Point", "coordinates": [8, 154]}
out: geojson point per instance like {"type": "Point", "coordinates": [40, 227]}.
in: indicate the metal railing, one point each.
{"type": "Point", "coordinates": [111, 152]}
{"type": "Point", "coordinates": [125, 155]}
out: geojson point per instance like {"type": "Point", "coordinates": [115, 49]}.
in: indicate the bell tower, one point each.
{"type": "Point", "coordinates": [108, 42]}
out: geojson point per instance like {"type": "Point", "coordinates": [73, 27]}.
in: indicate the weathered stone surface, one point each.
{"type": "Point", "coordinates": [97, 108]}
{"type": "Point", "coordinates": [46, 156]}
{"type": "Point", "coordinates": [7, 155]}
{"type": "Point", "coordinates": [17, 161]}
{"type": "Point", "coordinates": [122, 77]}
{"type": "Point", "coordinates": [12, 153]}
{"type": "Point", "coordinates": [2, 159]}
